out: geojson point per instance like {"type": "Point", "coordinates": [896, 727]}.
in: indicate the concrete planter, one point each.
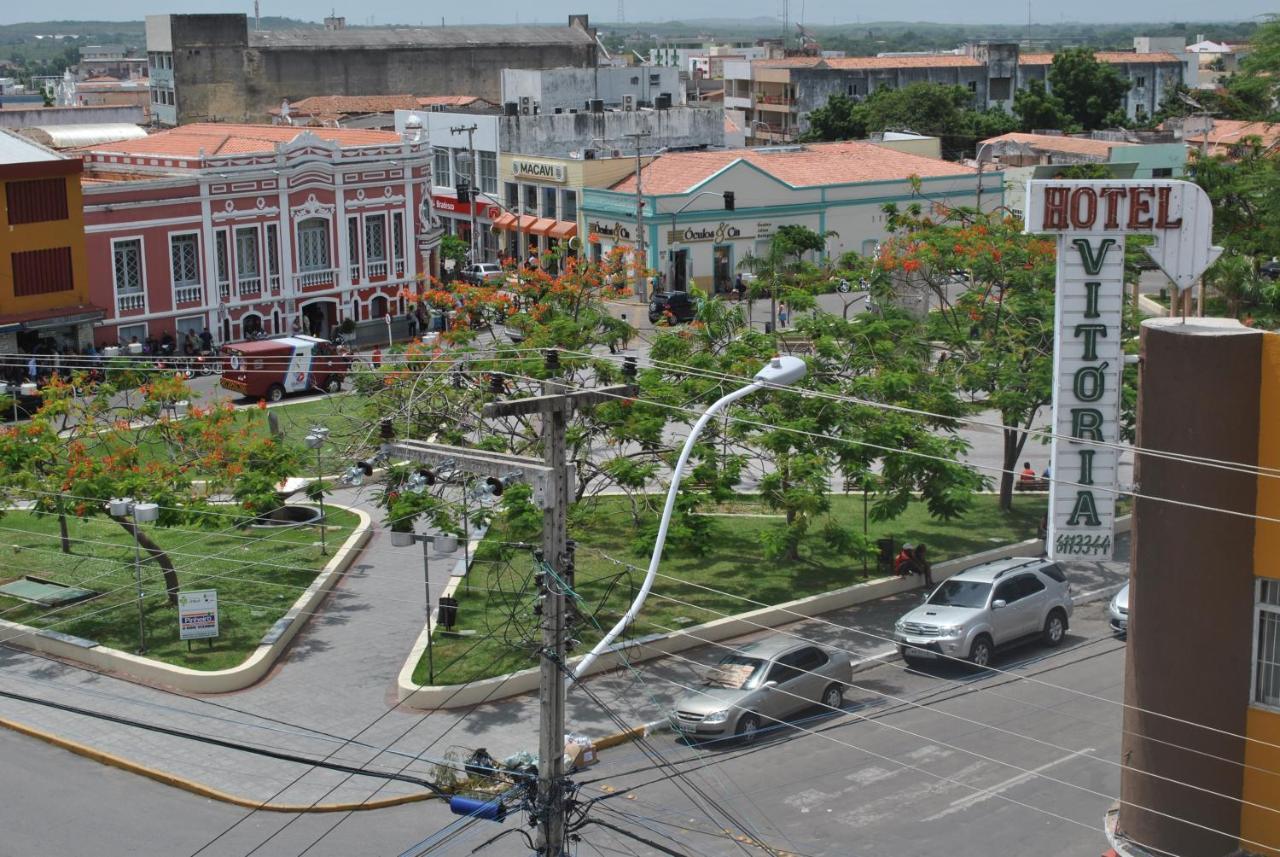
{"type": "Point", "coordinates": [728, 627]}
{"type": "Point", "coordinates": [253, 668]}
{"type": "Point", "coordinates": [401, 540]}
{"type": "Point", "coordinates": [446, 544]}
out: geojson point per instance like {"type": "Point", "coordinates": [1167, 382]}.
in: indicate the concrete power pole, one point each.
{"type": "Point", "coordinates": [472, 181]}
{"type": "Point", "coordinates": [642, 280]}
{"type": "Point", "coordinates": [554, 407]}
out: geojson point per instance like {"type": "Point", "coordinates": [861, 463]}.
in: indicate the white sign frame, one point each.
{"type": "Point", "coordinates": [201, 606]}
{"type": "Point", "coordinates": [1091, 220]}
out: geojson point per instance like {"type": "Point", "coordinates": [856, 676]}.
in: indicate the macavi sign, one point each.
{"type": "Point", "coordinates": [1091, 220]}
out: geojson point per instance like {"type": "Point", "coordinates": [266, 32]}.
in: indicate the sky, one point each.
{"type": "Point", "coordinates": [556, 11]}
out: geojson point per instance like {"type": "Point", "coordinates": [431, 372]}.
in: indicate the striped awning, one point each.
{"type": "Point", "coordinates": [564, 229]}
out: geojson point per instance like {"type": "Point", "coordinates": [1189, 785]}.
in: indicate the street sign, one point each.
{"type": "Point", "coordinates": [198, 614]}
{"type": "Point", "coordinates": [1091, 220]}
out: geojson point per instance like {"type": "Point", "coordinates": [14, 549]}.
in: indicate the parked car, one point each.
{"type": "Point", "coordinates": [270, 368]}
{"type": "Point", "coordinates": [1270, 270]}
{"type": "Point", "coordinates": [759, 684]}
{"type": "Point", "coordinates": [482, 273]}
{"type": "Point", "coordinates": [1119, 611]}
{"type": "Point", "coordinates": [678, 305]}
{"type": "Point", "coordinates": [985, 607]}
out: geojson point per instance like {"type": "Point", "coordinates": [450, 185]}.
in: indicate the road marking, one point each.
{"type": "Point", "coordinates": [873, 774]}
{"type": "Point", "coordinates": [871, 658]}
{"type": "Point", "coordinates": [1000, 788]}
{"type": "Point", "coordinates": [892, 805]}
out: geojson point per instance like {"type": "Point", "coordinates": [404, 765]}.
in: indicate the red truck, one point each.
{"type": "Point", "coordinates": [270, 368]}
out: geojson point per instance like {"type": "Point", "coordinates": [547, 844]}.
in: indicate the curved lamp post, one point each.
{"type": "Point", "coordinates": [141, 513]}
{"type": "Point", "coordinates": [778, 372]}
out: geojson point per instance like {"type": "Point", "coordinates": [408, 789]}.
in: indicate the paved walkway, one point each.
{"type": "Point", "coordinates": [337, 680]}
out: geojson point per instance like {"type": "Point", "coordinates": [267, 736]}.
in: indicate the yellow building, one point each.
{"type": "Point", "coordinates": [542, 198]}
{"type": "Point", "coordinates": [44, 277]}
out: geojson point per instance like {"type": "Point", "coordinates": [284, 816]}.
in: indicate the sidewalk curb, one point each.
{"type": "Point", "coordinates": [196, 788]}
{"type": "Point", "coordinates": [256, 664]}
{"type": "Point", "coordinates": [1123, 525]}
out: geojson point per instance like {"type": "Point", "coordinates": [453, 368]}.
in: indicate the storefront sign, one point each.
{"type": "Point", "coordinates": [693, 234]}
{"type": "Point", "coordinates": [1091, 220]}
{"type": "Point", "coordinates": [538, 170]}
{"type": "Point", "coordinates": [449, 203]}
{"type": "Point", "coordinates": [198, 614]}
{"type": "Point", "coordinates": [764, 229]}
{"type": "Point", "coordinates": [616, 230]}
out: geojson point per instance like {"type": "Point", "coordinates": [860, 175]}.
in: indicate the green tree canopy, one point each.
{"type": "Point", "coordinates": [1091, 92]}
{"type": "Point", "coordinates": [925, 108]}
{"type": "Point", "coordinates": [1037, 108]}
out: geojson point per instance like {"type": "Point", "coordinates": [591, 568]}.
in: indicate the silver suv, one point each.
{"type": "Point", "coordinates": [987, 606]}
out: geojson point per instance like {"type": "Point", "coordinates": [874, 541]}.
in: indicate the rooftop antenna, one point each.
{"type": "Point", "coordinates": [622, 12]}
{"type": "Point", "coordinates": [1028, 24]}
{"type": "Point", "coordinates": [257, 17]}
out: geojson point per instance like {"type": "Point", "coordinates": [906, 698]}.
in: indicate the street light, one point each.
{"type": "Point", "coordinates": [778, 372]}
{"type": "Point", "coordinates": [977, 156]}
{"type": "Point", "coordinates": [401, 540]}
{"type": "Point", "coordinates": [315, 439]}
{"type": "Point", "coordinates": [142, 513]}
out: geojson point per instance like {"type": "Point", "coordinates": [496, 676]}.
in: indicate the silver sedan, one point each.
{"type": "Point", "coordinates": [758, 685]}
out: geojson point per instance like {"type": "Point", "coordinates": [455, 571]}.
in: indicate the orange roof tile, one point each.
{"type": "Point", "coordinates": [1231, 132]}
{"type": "Point", "coordinates": [1060, 143]}
{"type": "Point", "coordinates": [213, 139]}
{"type": "Point", "coordinates": [452, 100]}
{"type": "Point", "coordinates": [811, 166]}
{"type": "Point", "coordinates": [337, 104]}
{"type": "Point", "coordinates": [930, 61]}
{"type": "Point", "coordinates": [1112, 57]}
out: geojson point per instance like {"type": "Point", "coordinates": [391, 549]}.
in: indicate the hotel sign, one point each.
{"type": "Point", "coordinates": [1091, 220]}
{"type": "Point", "coordinates": [545, 171]}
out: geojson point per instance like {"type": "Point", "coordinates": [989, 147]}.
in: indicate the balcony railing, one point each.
{"type": "Point", "coordinates": [224, 290]}
{"type": "Point", "coordinates": [130, 301]}
{"type": "Point", "coordinates": [377, 269]}
{"type": "Point", "coordinates": [274, 281]}
{"type": "Point", "coordinates": [322, 278]}
{"type": "Point", "coordinates": [249, 286]}
{"type": "Point", "coordinates": [399, 268]}
{"type": "Point", "coordinates": [354, 271]}
{"type": "Point", "coordinates": [188, 294]}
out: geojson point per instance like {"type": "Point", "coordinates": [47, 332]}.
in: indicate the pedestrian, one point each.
{"type": "Point", "coordinates": [1028, 473]}
{"type": "Point", "coordinates": [922, 566]}
{"type": "Point", "coordinates": [376, 357]}
{"type": "Point", "coordinates": [413, 326]}
{"type": "Point", "coordinates": [206, 339]}
{"type": "Point", "coordinates": [904, 562]}
{"type": "Point", "coordinates": [782, 315]}
{"type": "Point", "coordinates": [296, 327]}
{"type": "Point", "coordinates": [740, 287]}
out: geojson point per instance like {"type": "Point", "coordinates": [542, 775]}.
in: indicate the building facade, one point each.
{"type": "Point", "coordinates": [254, 228]}
{"type": "Point", "coordinates": [692, 240]}
{"type": "Point", "coordinates": [1202, 685]}
{"type": "Point", "coordinates": [553, 90]}
{"type": "Point", "coordinates": [777, 95]}
{"type": "Point", "coordinates": [44, 272]}
{"type": "Point", "coordinates": [212, 68]}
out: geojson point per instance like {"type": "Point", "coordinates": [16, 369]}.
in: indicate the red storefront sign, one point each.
{"type": "Point", "coordinates": [451, 204]}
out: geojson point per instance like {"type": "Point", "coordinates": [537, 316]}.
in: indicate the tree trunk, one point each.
{"type": "Point", "coordinates": [1014, 439]}
{"type": "Point", "coordinates": [62, 532]}
{"type": "Point", "coordinates": [158, 554]}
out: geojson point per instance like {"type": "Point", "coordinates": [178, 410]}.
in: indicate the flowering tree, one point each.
{"type": "Point", "coordinates": [990, 290]}
{"type": "Point", "coordinates": [147, 453]}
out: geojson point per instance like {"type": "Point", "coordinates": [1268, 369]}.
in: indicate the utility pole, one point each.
{"type": "Point", "coordinates": [473, 172]}
{"type": "Point", "coordinates": [553, 407]}
{"type": "Point", "coordinates": [641, 259]}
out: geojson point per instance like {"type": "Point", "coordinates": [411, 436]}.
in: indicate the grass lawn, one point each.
{"type": "Point", "coordinates": [498, 603]}
{"type": "Point", "coordinates": [351, 434]}
{"type": "Point", "coordinates": [258, 573]}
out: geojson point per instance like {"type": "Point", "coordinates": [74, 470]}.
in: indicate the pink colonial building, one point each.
{"type": "Point", "coordinates": [243, 228]}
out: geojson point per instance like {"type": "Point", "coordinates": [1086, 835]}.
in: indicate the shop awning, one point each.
{"type": "Point", "coordinates": [523, 223]}
{"type": "Point", "coordinates": [564, 229]}
{"type": "Point", "coordinates": [506, 220]}
{"type": "Point", "coordinates": [542, 226]}
{"type": "Point", "coordinates": [49, 318]}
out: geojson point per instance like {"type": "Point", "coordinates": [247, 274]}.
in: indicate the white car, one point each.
{"type": "Point", "coordinates": [482, 273]}
{"type": "Point", "coordinates": [1118, 610]}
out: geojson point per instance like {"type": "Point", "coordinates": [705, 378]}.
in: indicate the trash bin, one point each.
{"type": "Point", "coordinates": [447, 615]}
{"type": "Point", "coordinates": [768, 327]}
{"type": "Point", "coordinates": [886, 555]}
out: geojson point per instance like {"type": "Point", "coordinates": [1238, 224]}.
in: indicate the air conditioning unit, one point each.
{"type": "Point", "coordinates": [617, 153]}
{"type": "Point", "coordinates": [588, 154]}
{"type": "Point", "coordinates": [628, 102]}
{"type": "Point", "coordinates": [526, 103]}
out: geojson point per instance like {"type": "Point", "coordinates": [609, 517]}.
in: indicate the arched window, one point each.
{"type": "Point", "coordinates": [378, 307]}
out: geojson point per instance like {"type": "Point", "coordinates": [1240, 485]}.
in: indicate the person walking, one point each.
{"type": "Point", "coordinates": [376, 357]}
{"type": "Point", "coordinates": [782, 315]}
{"type": "Point", "coordinates": [413, 325]}
{"type": "Point", "coordinates": [922, 566]}
{"type": "Point", "coordinates": [740, 286]}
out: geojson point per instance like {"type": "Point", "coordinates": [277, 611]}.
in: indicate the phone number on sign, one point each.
{"type": "Point", "coordinates": [1081, 545]}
